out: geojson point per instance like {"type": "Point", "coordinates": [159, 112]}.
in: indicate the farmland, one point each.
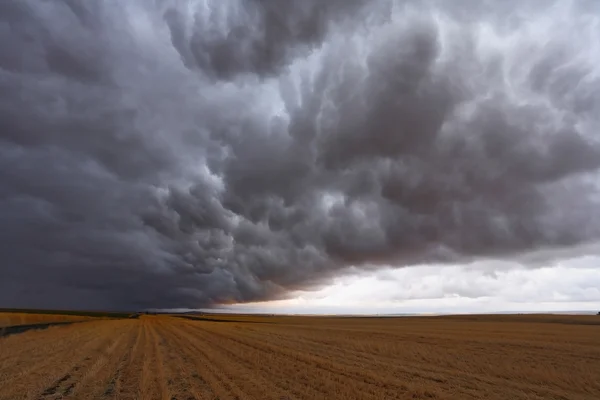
{"type": "Point", "coordinates": [13, 319]}
{"type": "Point", "coordinates": [10, 317]}
{"type": "Point", "coordinates": [260, 357]}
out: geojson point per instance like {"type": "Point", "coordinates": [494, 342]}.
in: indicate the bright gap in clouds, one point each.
{"type": "Point", "coordinates": [480, 287]}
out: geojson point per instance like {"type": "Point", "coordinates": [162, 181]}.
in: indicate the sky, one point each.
{"type": "Point", "coordinates": [354, 156]}
{"type": "Point", "coordinates": [571, 286]}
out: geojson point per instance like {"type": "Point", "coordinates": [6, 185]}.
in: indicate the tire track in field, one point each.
{"type": "Point", "coordinates": [133, 376]}
{"type": "Point", "coordinates": [80, 373]}
{"type": "Point", "coordinates": [31, 364]}
{"type": "Point", "coordinates": [33, 382]}
{"type": "Point", "coordinates": [221, 386]}
{"type": "Point", "coordinates": [184, 380]}
{"type": "Point", "coordinates": [30, 356]}
{"type": "Point", "coordinates": [113, 384]}
{"type": "Point", "coordinates": [100, 378]}
{"type": "Point", "coordinates": [119, 381]}
{"type": "Point", "coordinates": [240, 383]}
{"type": "Point", "coordinates": [158, 364]}
{"type": "Point", "coordinates": [269, 373]}
{"type": "Point", "coordinates": [150, 385]}
{"type": "Point", "coordinates": [256, 385]}
{"type": "Point", "coordinates": [262, 358]}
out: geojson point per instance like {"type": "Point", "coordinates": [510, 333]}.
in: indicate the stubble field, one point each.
{"type": "Point", "coordinates": [244, 357]}
{"type": "Point", "coordinates": [14, 319]}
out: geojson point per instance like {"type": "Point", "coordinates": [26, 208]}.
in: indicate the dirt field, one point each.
{"type": "Point", "coordinates": [241, 357]}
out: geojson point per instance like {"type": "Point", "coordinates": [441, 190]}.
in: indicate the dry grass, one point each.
{"type": "Point", "coordinates": [249, 357]}
{"type": "Point", "coordinates": [13, 319]}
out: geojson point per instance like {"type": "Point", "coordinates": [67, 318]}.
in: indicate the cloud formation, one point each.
{"type": "Point", "coordinates": [181, 154]}
{"type": "Point", "coordinates": [477, 287]}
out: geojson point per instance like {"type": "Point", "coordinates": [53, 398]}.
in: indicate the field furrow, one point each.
{"type": "Point", "coordinates": [220, 384]}
{"type": "Point", "coordinates": [301, 358]}
{"type": "Point", "coordinates": [80, 376]}
{"type": "Point", "coordinates": [409, 370]}
{"type": "Point", "coordinates": [185, 378]}
{"type": "Point", "coordinates": [434, 361]}
{"type": "Point", "coordinates": [235, 368]}
{"type": "Point", "coordinates": [98, 381]}
{"type": "Point", "coordinates": [333, 378]}
{"type": "Point", "coordinates": [54, 377]}
{"type": "Point", "coordinates": [28, 352]}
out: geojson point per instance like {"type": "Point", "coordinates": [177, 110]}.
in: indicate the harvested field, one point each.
{"type": "Point", "coordinates": [13, 319]}
{"type": "Point", "coordinates": [250, 357]}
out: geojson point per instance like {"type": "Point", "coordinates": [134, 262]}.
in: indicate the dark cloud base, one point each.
{"type": "Point", "coordinates": [171, 154]}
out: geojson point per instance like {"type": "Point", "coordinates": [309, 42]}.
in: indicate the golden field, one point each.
{"type": "Point", "coordinates": [12, 319]}
{"type": "Point", "coordinates": [264, 357]}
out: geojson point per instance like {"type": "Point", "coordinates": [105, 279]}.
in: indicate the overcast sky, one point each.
{"type": "Point", "coordinates": [354, 155]}
{"type": "Point", "coordinates": [481, 287]}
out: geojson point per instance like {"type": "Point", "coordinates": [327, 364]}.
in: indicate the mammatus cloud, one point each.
{"type": "Point", "coordinates": [180, 154]}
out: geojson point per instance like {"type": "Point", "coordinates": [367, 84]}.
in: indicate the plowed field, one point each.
{"type": "Point", "coordinates": [237, 357]}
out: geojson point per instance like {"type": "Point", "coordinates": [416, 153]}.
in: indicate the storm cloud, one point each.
{"type": "Point", "coordinates": [165, 154]}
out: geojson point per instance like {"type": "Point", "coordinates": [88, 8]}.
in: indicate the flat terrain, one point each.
{"type": "Point", "coordinates": [13, 319]}
{"type": "Point", "coordinates": [243, 357]}
{"type": "Point", "coordinates": [9, 317]}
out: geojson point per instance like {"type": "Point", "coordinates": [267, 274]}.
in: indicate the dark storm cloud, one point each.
{"type": "Point", "coordinates": [178, 154]}
{"type": "Point", "coordinates": [251, 36]}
